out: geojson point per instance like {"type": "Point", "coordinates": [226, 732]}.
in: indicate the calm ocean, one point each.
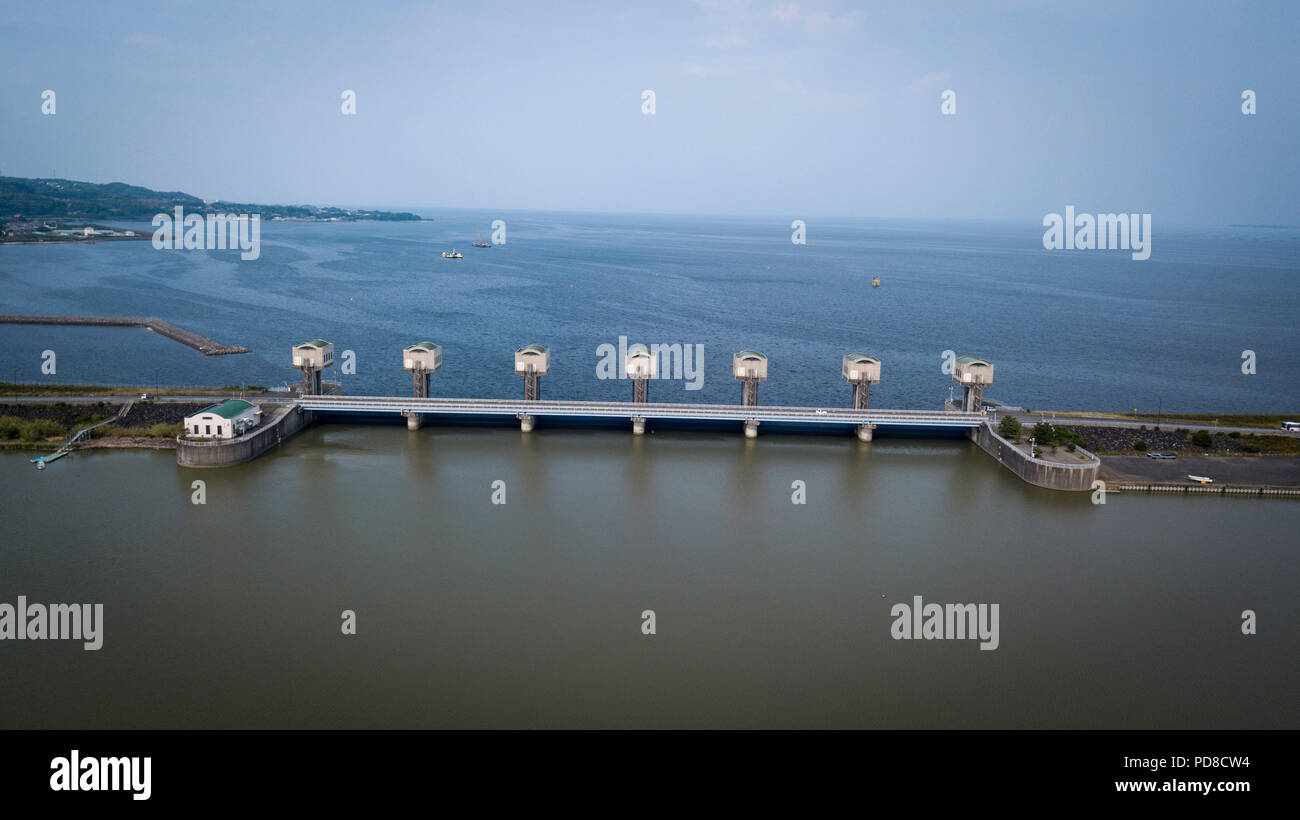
{"type": "Point", "coordinates": [1077, 330]}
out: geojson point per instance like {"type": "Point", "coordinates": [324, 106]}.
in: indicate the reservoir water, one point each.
{"type": "Point", "coordinates": [529, 613]}
{"type": "Point", "coordinates": [1066, 330]}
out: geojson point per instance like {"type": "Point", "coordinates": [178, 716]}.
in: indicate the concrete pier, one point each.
{"type": "Point", "coordinates": [526, 423]}
{"type": "Point", "coordinates": [751, 429]}
{"type": "Point", "coordinates": [202, 344]}
{"type": "Point", "coordinates": [638, 427]}
{"type": "Point", "coordinates": [864, 431]}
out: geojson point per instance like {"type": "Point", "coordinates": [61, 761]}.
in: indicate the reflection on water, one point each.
{"type": "Point", "coordinates": [528, 614]}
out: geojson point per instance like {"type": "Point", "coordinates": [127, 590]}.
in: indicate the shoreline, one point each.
{"type": "Point", "coordinates": [1222, 458]}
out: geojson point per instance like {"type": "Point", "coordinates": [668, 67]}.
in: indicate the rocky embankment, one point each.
{"type": "Point", "coordinates": [1103, 440]}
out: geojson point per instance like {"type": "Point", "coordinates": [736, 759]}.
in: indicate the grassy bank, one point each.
{"type": "Point", "coordinates": [44, 433]}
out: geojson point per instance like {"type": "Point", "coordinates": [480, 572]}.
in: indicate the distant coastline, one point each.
{"type": "Point", "coordinates": [49, 210]}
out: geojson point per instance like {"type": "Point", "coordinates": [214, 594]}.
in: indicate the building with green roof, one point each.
{"type": "Point", "coordinates": [226, 419]}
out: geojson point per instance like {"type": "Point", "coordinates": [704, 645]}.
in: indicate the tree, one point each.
{"type": "Point", "coordinates": [1044, 434]}
{"type": "Point", "coordinates": [1009, 427]}
{"type": "Point", "coordinates": [1140, 445]}
{"type": "Point", "coordinates": [1202, 438]}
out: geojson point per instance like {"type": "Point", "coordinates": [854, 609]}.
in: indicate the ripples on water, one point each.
{"type": "Point", "coordinates": [528, 614]}
{"type": "Point", "coordinates": [1066, 330]}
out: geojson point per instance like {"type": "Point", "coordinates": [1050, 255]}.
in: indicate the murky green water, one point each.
{"type": "Point", "coordinates": [768, 613]}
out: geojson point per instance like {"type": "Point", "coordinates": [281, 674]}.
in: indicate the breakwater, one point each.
{"type": "Point", "coordinates": [204, 345]}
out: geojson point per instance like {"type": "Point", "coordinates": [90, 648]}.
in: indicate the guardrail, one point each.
{"type": "Point", "coordinates": [705, 412]}
{"type": "Point", "coordinates": [1092, 460]}
{"type": "Point", "coordinates": [1212, 489]}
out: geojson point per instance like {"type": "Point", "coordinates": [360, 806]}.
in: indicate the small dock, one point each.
{"type": "Point", "coordinates": [204, 345]}
{"type": "Point", "coordinates": [41, 461]}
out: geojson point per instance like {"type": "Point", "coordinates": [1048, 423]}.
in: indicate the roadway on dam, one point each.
{"type": "Point", "coordinates": [914, 419]}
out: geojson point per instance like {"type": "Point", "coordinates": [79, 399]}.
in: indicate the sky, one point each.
{"type": "Point", "coordinates": [797, 109]}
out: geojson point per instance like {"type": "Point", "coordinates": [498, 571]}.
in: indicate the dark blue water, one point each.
{"type": "Point", "coordinates": [1087, 329]}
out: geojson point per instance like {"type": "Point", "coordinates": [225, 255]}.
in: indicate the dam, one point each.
{"type": "Point", "coordinates": [317, 400]}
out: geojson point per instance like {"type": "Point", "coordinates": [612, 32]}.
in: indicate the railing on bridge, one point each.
{"type": "Point", "coordinates": [703, 412]}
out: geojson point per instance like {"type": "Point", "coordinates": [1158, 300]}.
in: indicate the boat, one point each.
{"type": "Point", "coordinates": [1200, 479]}
{"type": "Point", "coordinates": [875, 283]}
{"type": "Point", "coordinates": [454, 254]}
{"type": "Point", "coordinates": [480, 243]}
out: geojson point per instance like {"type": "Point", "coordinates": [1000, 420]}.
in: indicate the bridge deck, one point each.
{"type": "Point", "coordinates": [600, 409]}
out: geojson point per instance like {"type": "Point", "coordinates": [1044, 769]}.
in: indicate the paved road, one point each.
{"type": "Point", "coordinates": [1024, 418]}
{"type": "Point", "coordinates": [1033, 418]}
{"type": "Point", "coordinates": [1273, 471]}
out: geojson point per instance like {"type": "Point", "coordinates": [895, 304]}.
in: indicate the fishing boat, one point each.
{"type": "Point", "coordinates": [875, 283]}
{"type": "Point", "coordinates": [1200, 479]}
{"type": "Point", "coordinates": [454, 254]}
{"type": "Point", "coordinates": [480, 243]}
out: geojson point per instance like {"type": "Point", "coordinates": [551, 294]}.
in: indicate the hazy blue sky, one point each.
{"type": "Point", "coordinates": [787, 108]}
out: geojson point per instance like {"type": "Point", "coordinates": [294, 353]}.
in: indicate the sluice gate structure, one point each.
{"type": "Point", "coordinates": [533, 361]}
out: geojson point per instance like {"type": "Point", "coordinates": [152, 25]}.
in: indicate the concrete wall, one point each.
{"type": "Point", "coordinates": [1036, 471]}
{"type": "Point", "coordinates": [284, 422]}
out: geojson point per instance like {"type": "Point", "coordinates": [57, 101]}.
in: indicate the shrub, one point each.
{"type": "Point", "coordinates": [1044, 434]}
{"type": "Point", "coordinates": [1065, 435]}
{"type": "Point", "coordinates": [1009, 427]}
{"type": "Point", "coordinates": [11, 427]}
{"type": "Point", "coordinates": [1234, 434]}
{"type": "Point", "coordinates": [1202, 438]}
{"type": "Point", "coordinates": [39, 429]}
{"type": "Point", "coordinates": [1140, 445]}
{"type": "Point", "coordinates": [1252, 448]}
{"type": "Point", "coordinates": [1070, 447]}
{"type": "Point", "coordinates": [114, 431]}
{"type": "Point", "coordinates": [1144, 427]}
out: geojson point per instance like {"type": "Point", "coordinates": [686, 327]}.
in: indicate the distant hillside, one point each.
{"type": "Point", "coordinates": [27, 199]}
